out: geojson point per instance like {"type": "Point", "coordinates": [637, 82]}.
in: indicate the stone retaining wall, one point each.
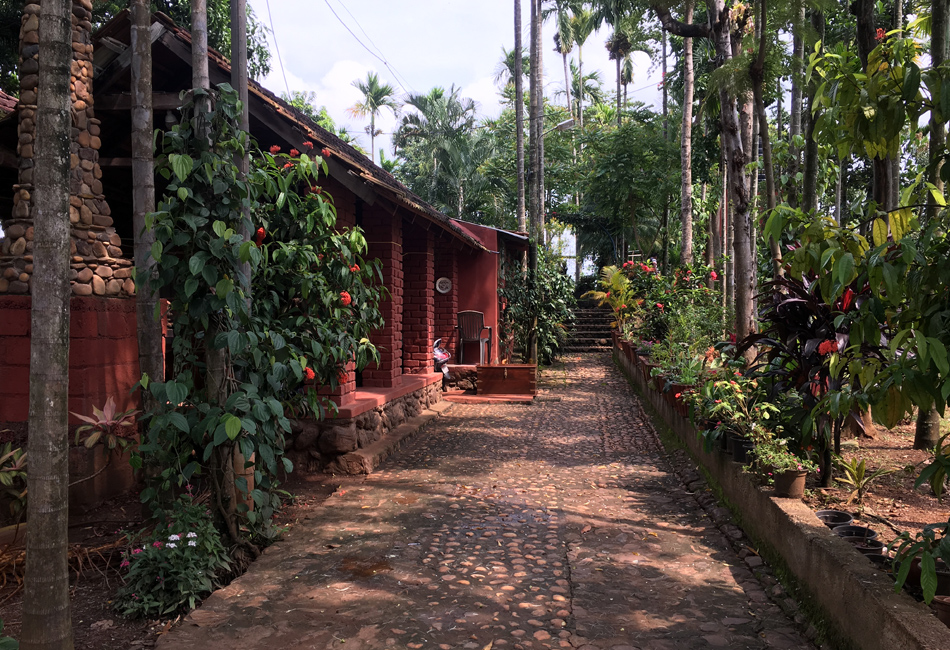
{"type": "Point", "coordinates": [97, 264]}
{"type": "Point", "coordinates": [857, 599]}
{"type": "Point", "coordinates": [323, 445]}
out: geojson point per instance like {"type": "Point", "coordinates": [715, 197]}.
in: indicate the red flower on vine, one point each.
{"type": "Point", "coordinates": [309, 374]}
{"type": "Point", "coordinates": [259, 236]}
{"type": "Point", "coordinates": [827, 347]}
{"type": "Point", "coordinates": [275, 150]}
{"type": "Point", "coordinates": [294, 153]}
{"type": "Point", "coordinates": [345, 298]}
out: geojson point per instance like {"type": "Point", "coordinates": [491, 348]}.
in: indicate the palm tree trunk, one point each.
{"type": "Point", "coordinates": [539, 89]}
{"type": "Point", "coordinates": [795, 110]}
{"type": "Point", "coordinates": [567, 85]}
{"type": "Point", "coordinates": [618, 92]}
{"type": "Point", "coordinates": [757, 73]}
{"type": "Point", "coordinates": [927, 432]}
{"type": "Point", "coordinates": [151, 356]}
{"type": "Point", "coordinates": [239, 83]}
{"type": "Point", "coordinates": [580, 99]}
{"type": "Point", "coordinates": [519, 117]}
{"type": "Point", "coordinates": [46, 616]}
{"type": "Point", "coordinates": [686, 146]}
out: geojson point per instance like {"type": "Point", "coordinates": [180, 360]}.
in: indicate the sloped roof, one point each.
{"type": "Point", "coordinates": [115, 34]}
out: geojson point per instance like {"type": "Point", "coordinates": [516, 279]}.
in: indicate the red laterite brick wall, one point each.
{"type": "Point", "coordinates": [384, 237]}
{"type": "Point", "coordinates": [103, 355]}
{"type": "Point", "coordinates": [418, 318]}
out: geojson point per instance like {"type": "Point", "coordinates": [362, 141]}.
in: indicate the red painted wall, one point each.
{"type": "Point", "coordinates": [478, 286]}
{"type": "Point", "coordinates": [103, 355]}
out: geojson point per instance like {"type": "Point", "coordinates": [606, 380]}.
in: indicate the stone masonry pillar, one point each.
{"type": "Point", "coordinates": [419, 306]}
{"type": "Point", "coordinates": [384, 236]}
{"type": "Point", "coordinates": [98, 266]}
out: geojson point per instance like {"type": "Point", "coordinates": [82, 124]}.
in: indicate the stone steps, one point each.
{"type": "Point", "coordinates": [590, 331]}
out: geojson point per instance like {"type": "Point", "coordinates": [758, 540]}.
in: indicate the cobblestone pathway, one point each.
{"type": "Point", "coordinates": [554, 525]}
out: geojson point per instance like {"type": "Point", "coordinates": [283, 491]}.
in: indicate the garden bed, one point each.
{"type": "Point", "coordinates": [837, 583]}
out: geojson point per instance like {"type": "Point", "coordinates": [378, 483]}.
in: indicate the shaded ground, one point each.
{"type": "Point", "coordinates": [891, 502]}
{"type": "Point", "coordinates": [557, 524]}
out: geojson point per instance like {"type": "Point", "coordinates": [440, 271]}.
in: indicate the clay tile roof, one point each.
{"type": "Point", "coordinates": [343, 152]}
{"type": "Point", "coordinates": [7, 103]}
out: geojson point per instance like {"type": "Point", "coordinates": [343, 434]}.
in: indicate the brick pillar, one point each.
{"type": "Point", "coordinates": [384, 236]}
{"type": "Point", "coordinates": [447, 304]}
{"type": "Point", "coordinates": [97, 264]}
{"type": "Point", "coordinates": [418, 317]}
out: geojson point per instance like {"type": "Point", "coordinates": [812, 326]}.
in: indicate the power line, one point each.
{"type": "Point", "coordinates": [364, 46]}
{"type": "Point", "coordinates": [391, 68]}
{"type": "Point", "coordinates": [277, 49]}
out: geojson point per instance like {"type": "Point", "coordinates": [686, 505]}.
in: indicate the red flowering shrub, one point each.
{"type": "Point", "coordinates": [827, 347]}
{"type": "Point", "coordinates": [308, 144]}
{"type": "Point", "coordinates": [259, 236]}
{"type": "Point", "coordinates": [713, 276]}
{"type": "Point", "coordinates": [309, 374]}
{"type": "Point", "coordinates": [355, 268]}
{"type": "Point", "coordinates": [345, 298]}
{"type": "Point", "coordinates": [325, 152]}
{"type": "Point", "coordinates": [879, 34]}
{"type": "Point", "coordinates": [294, 153]}
{"type": "Point", "coordinates": [275, 149]}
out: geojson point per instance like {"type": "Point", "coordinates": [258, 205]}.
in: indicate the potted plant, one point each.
{"type": "Point", "coordinates": [788, 469]}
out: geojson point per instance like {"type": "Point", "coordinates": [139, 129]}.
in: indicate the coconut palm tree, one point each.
{"type": "Point", "coordinates": [376, 97]}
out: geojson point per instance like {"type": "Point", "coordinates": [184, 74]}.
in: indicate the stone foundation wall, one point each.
{"type": "Point", "coordinates": [462, 378]}
{"type": "Point", "coordinates": [97, 264]}
{"type": "Point", "coordinates": [315, 445]}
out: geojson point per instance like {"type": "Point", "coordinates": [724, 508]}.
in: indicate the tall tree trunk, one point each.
{"type": "Point", "coordinates": [580, 98]}
{"type": "Point", "coordinates": [618, 92]}
{"type": "Point", "coordinates": [519, 117]}
{"type": "Point", "coordinates": [46, 617]}
{"type": "Point", "coordinates": [539, 107]}
{"type": "Point", "coordinates": [666, 95]}
{"type": "Point", "coordinates": [810, 172]}
{"type": "Point", "coordinates": [757, 73]}
{"type": "Point", "coordinates": [927, 432]}
{"type": "Point", "coordinates": [795, 110]}
{"type": "Point", "coordinates": [534, 137]}
{"type": "Point", "coordinates": [149, 324]}
{"type": "Point", "coordinates": [686, 146]}
{"type": "Point", "coordinates": [567, 85]}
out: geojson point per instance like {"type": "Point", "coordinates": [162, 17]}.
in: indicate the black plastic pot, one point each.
{"type": "Point", "coordinates": [834, 518]}
{"type": "Point", "coordinates": [741, 449]}
{"type": "Point", "coordinates": [869, 546]}
{"type": "Point", "coordinates": [855, 531]}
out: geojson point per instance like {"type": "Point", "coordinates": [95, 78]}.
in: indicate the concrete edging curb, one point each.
{"type": "Point", "coordinates": [858, 600]}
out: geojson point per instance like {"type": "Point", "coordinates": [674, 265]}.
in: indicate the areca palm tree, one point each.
{"type": "Point", "coordinates": [583, 24]}
{"type": "Point", "coordinates": [505, 70]}
{"type": "Point", "coordinates": [376, 97]}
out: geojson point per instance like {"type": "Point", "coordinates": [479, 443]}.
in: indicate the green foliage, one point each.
{"type": "Point", "coordinates": [7, 643]}
{"type": "Point", "coordinates": [315, 302]}
{"type": "Point", "coordinates": [857, 477]}
{"type": "Point", "coordinates": [935, 473]}
{"type": "Point", "coordinates": [13, 465]}
{"type": "Point", "coordinates": [547, 300]}
{"type": "Point", "coordinates": [175, 565]}
{"type": "Point", "coordinates": [929, 545]}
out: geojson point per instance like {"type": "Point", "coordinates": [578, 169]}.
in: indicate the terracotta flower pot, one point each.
{"type": "Point", "coordinates": [790, 484]}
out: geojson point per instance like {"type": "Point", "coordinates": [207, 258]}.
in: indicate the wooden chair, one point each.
{"type": "Point", "coordinates": [471, 324]}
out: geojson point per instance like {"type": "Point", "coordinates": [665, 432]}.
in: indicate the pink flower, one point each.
{"type": "Point", "coordinates": [713, 276]}
{"type": "Point", "coordinates": [157, 544]}
{"type": "Point", "coordinates": [137, 551]}
{"type": "Point", "coordinates": [124, 564]}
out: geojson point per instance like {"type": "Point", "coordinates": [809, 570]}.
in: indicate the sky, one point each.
{"type": "Point", "coordinates": [426, 43]}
